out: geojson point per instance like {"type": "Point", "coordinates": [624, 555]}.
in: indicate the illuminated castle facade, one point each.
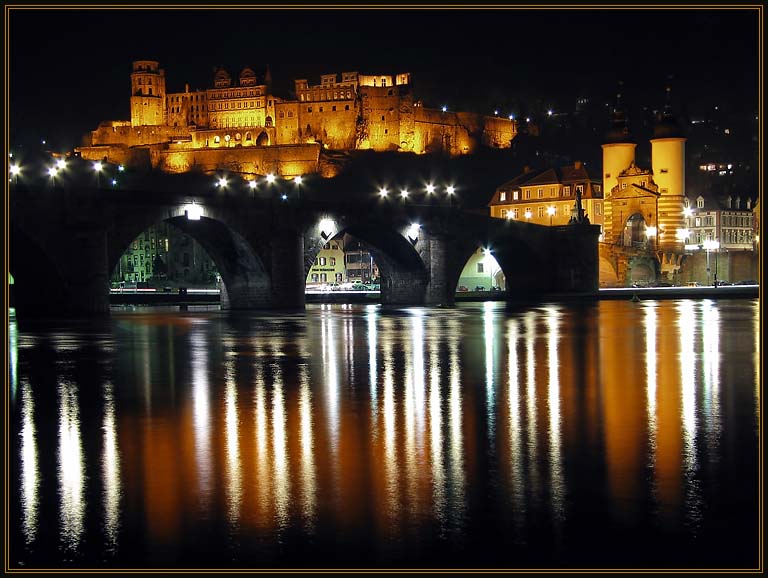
{"type": "Point", "coordinates": [354, 112]}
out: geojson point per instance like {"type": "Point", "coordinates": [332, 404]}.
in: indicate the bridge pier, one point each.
{"type": "Point", "coordinates": [87, 274]}
{"type": "Point", "coordinates": [288, 276]}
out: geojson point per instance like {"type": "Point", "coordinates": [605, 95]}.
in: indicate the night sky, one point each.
{"type": "Point", "coordinates": [69, 68]}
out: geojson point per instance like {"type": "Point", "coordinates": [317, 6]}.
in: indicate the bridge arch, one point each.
{"type": "Point", "coordinates": [403, 274]}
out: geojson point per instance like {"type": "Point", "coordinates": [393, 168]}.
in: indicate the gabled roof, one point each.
{"type": "Point", "coordinates": [549, 176]}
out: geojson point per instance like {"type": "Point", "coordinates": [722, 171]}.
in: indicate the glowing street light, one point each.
{"type": "Point", "coordinates": [383, 192]}
{"type": "Point", "coordinates": [121, 168]}
{"type": "Point", "coordinates": [404, 193]}
{"type": "Point", "coordinates": [450, 190]}
{"type": "Point", "coordinates": [445, 108]}
{"type": "Point", "coordinates": [298, 180]}
{"type": "Point", "coordinates": [97, 166]}
{"type": "Point", "coordinates": [682, 234]}
{"type": "Point", "coordinates": [511, 117]}
{"type": "Point", "coordinates": [252, 184]}
{"type": "Point", "coordinates": [687, 212]}
{"type": "Point", "coordinates": [327, 227]}
{"type": "Point", "coordinates": [52, 172]}
{"type": "Point", "coordinates": [61, 164]}
{"type": "Point", "coordinates": [549, 112]}
{"type": "Point", "coordinates": [270, 178]}
{"type": "Point", "coordinates": [194, 211]}
{"type": "Point", "coordinates": [528, 214]}
{"type": "Point", "coordinates": [222, 182]}
{"type": "Point", "coordinates": [430, 188]}
{"type": "Point", "coordinates": [413, 233]}
{"type": "Point", "coordinates": [551, 213]}
{"type": "Point", "coordinates": [15, 171]}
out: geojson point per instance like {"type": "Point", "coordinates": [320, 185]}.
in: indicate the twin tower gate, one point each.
{"type": "Point", "coordinates": [64, 245]}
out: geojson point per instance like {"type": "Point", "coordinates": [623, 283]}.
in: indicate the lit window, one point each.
{"type": "Point", "coordinates": [516, 195]}
{"type": "Point", "coordinates": [503, 196]}
{"type": "Point", "coordinates": [541, 212]}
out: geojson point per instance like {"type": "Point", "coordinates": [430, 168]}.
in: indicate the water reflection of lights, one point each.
{"type": "Point", "coordinates": [530, 396]}
{"type": "Point", "coordinates": [455, 420]}
{"type": "Point", "coordinates": [489, 384]}
{"type": "Point", "coordinates": [234, 479]}
{"type": "Point", "coordinates": [30, 475]}
{"type": "Point", "coordinates": [308, 475]}
{"type": "Point", "coordinates": [372, 362]}
{"type": "Point", "coordinates": [757, 364]}
{"type": "Point", "coordinates": [262, 490]}
{"type": "Point", "coordinates": [110, 470]}
{"type": "Point", "coordinates": [13, 357]}
{"type": "Point", "coordinates": [71, 466]}
{"type": "Point", "coordinates": [331, 377]}
{"type": "Point", "coordinates": [279, 443]}
{"type": "Point", "coordinates": [202, 416]}
{"type": "Point", "coordinates": [650, 320]}
{"type": "Point", "coordinates": [436, 432]}
{"type": "Point", "coordinates": [688, 335]}
{"type": "Point", "coordinates": [390, 419]}
{"type": "Point", "coordinates": [557, 482]}
{"type": "Point", "coordinates": [710, 330]}
{"type": "Point", "coordinates": [515, 427]}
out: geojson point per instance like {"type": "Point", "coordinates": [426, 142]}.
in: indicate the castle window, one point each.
{"type": "Point", "coordinates": [309, 109]}
{"type": "Point", "coordinates": [302, 98]}
{"type": "Point", "coordinates": [540, 193]}
{"type": "Point", "coordinates": [333, 108]}
{"type": "Point", "coordinates": [382, 117]}
{"type": "Point", "coordinates": [321, 109]}
{"type": "Point", "coordinates": [623, 185]}
{"type": "Point", "coordinates": [290, 114]}
{"type": "Point", "coordinates": [281, 114]}
{"type": "Point", "coordinates": [346, 107]}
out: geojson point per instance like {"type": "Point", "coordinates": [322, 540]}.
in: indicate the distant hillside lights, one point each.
{"type": "Point", "coordinates": [378, 112]}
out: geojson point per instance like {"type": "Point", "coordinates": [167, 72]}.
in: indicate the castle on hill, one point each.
{"type": "Point", "coordinates": [241, 125]}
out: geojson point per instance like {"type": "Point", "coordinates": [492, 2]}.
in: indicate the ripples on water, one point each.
{"type": "Point", "coordinates": [606, 435]}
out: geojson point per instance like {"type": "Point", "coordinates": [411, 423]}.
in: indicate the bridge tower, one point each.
{"type": "Point", "coordinates": [618, 154]}
{"type": "Point", "coordinates": [668, 163]}
{"type": "Point", "coordinates": [147, 94]}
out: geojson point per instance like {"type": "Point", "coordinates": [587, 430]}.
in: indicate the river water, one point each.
{"type": "Point", "coordinates": [601, 435]}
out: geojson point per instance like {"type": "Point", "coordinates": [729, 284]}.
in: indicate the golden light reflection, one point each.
{"type": "Point", "coordinates": [110, 470]}
{"type": "Point", "coordinates": [650, 320]}
{"type": "Point", "coordinates": [234, 476]}
{"type": "Point", "coordinates": [71, 467]}
{"type": "Point", "coordinates": [757, 364]}
{"type": "Point", "coordinates": [202, 417]}
{"type": "Point", "coordinates": [557, 482]}
{"type": "Point", "coordinates": [30, 473]}
{"type": "Point", "coordinates": [280, 444]}
{"type": "Point", "coordinates": [331, 370]}
{"type": "Point", "coordinates": [517, 477]}
{"type": "Point", "coordinates": [262, 490]}
{"type": "Point", "coordinates": [308, 474]}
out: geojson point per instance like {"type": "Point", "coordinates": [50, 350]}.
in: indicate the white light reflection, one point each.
{"type": "Point", "coordinates": [436, 430]}
{"type": "Point", "coordinates": [13, 336]}
{"type": "Point", "coordinates": [530, 397]}
{"type": "Point", "coordinates": [687, 332]}
{"type": "Point", "coordinates": [71, 466]}
{"type": "Point", "coordinates": [110, 470]}
{"type": "Point", "coordinates": [390, 419]}
{"type": "Point", "coordinates": [490, 394]}
{"type": "Point", "coordinates": [710, 330]}
{"type": "Point", "coordinates": [458, 481]}
{"type": "Point", "coordinates": [234, 477]}
{"type": "Point", "coordinates": [557, 483]}
{"type": "Point", "coordinates": [650, 320]}
{"type": "Point", "coordinates": [280, 441]}
{"type": "Point", "coordinates": [308, 475]}
{"type": "Point", "coordinates": [515, 428]}
{"type": "Point", "coordinates": [757, 365]}
{"type": "Point", "coordinates": [373, 366]}
{"type": "Point", "coordinates": [30, 475]}
{"type": "Point", "coordinates": [262, 489]}
{"type": "Point", "coordinates": [331, 380]}
{"type": "Point", "coordinates": [202, 417]}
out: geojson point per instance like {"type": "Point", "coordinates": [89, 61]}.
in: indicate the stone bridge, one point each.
{"type": "Point", "coordinates": [67, 238]}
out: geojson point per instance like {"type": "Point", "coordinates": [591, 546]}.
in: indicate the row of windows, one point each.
{"type": "Point", "coordinates": [737, 236]}
{"type": "Point", "coordinates": [323, 278]}
{"type": "Point", "coordinates": [248, 104]}
{"type": "Point", "coordinates": [737, 221]}
{"type": "Point", "coordinates": [527, 193]}
{"type": "Point", "coordinates": [333, 108]}
{"type": "Point", "coordinates": [235, 93]}
{"type": "Point", "coordinates": [322, 261]}
{"type": "Point", "coordinates": [317, 96]}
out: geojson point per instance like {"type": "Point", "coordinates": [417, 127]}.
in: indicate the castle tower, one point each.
{"type": "Point", "coordinates": [668, 163]}
{"type": "Point", "coordinates": [147, 94]}
{"type": "Point", "coordinates": [618, 154]}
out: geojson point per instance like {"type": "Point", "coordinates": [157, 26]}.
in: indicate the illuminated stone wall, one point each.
{"type": "Point", "coordinates": [284, 160]}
